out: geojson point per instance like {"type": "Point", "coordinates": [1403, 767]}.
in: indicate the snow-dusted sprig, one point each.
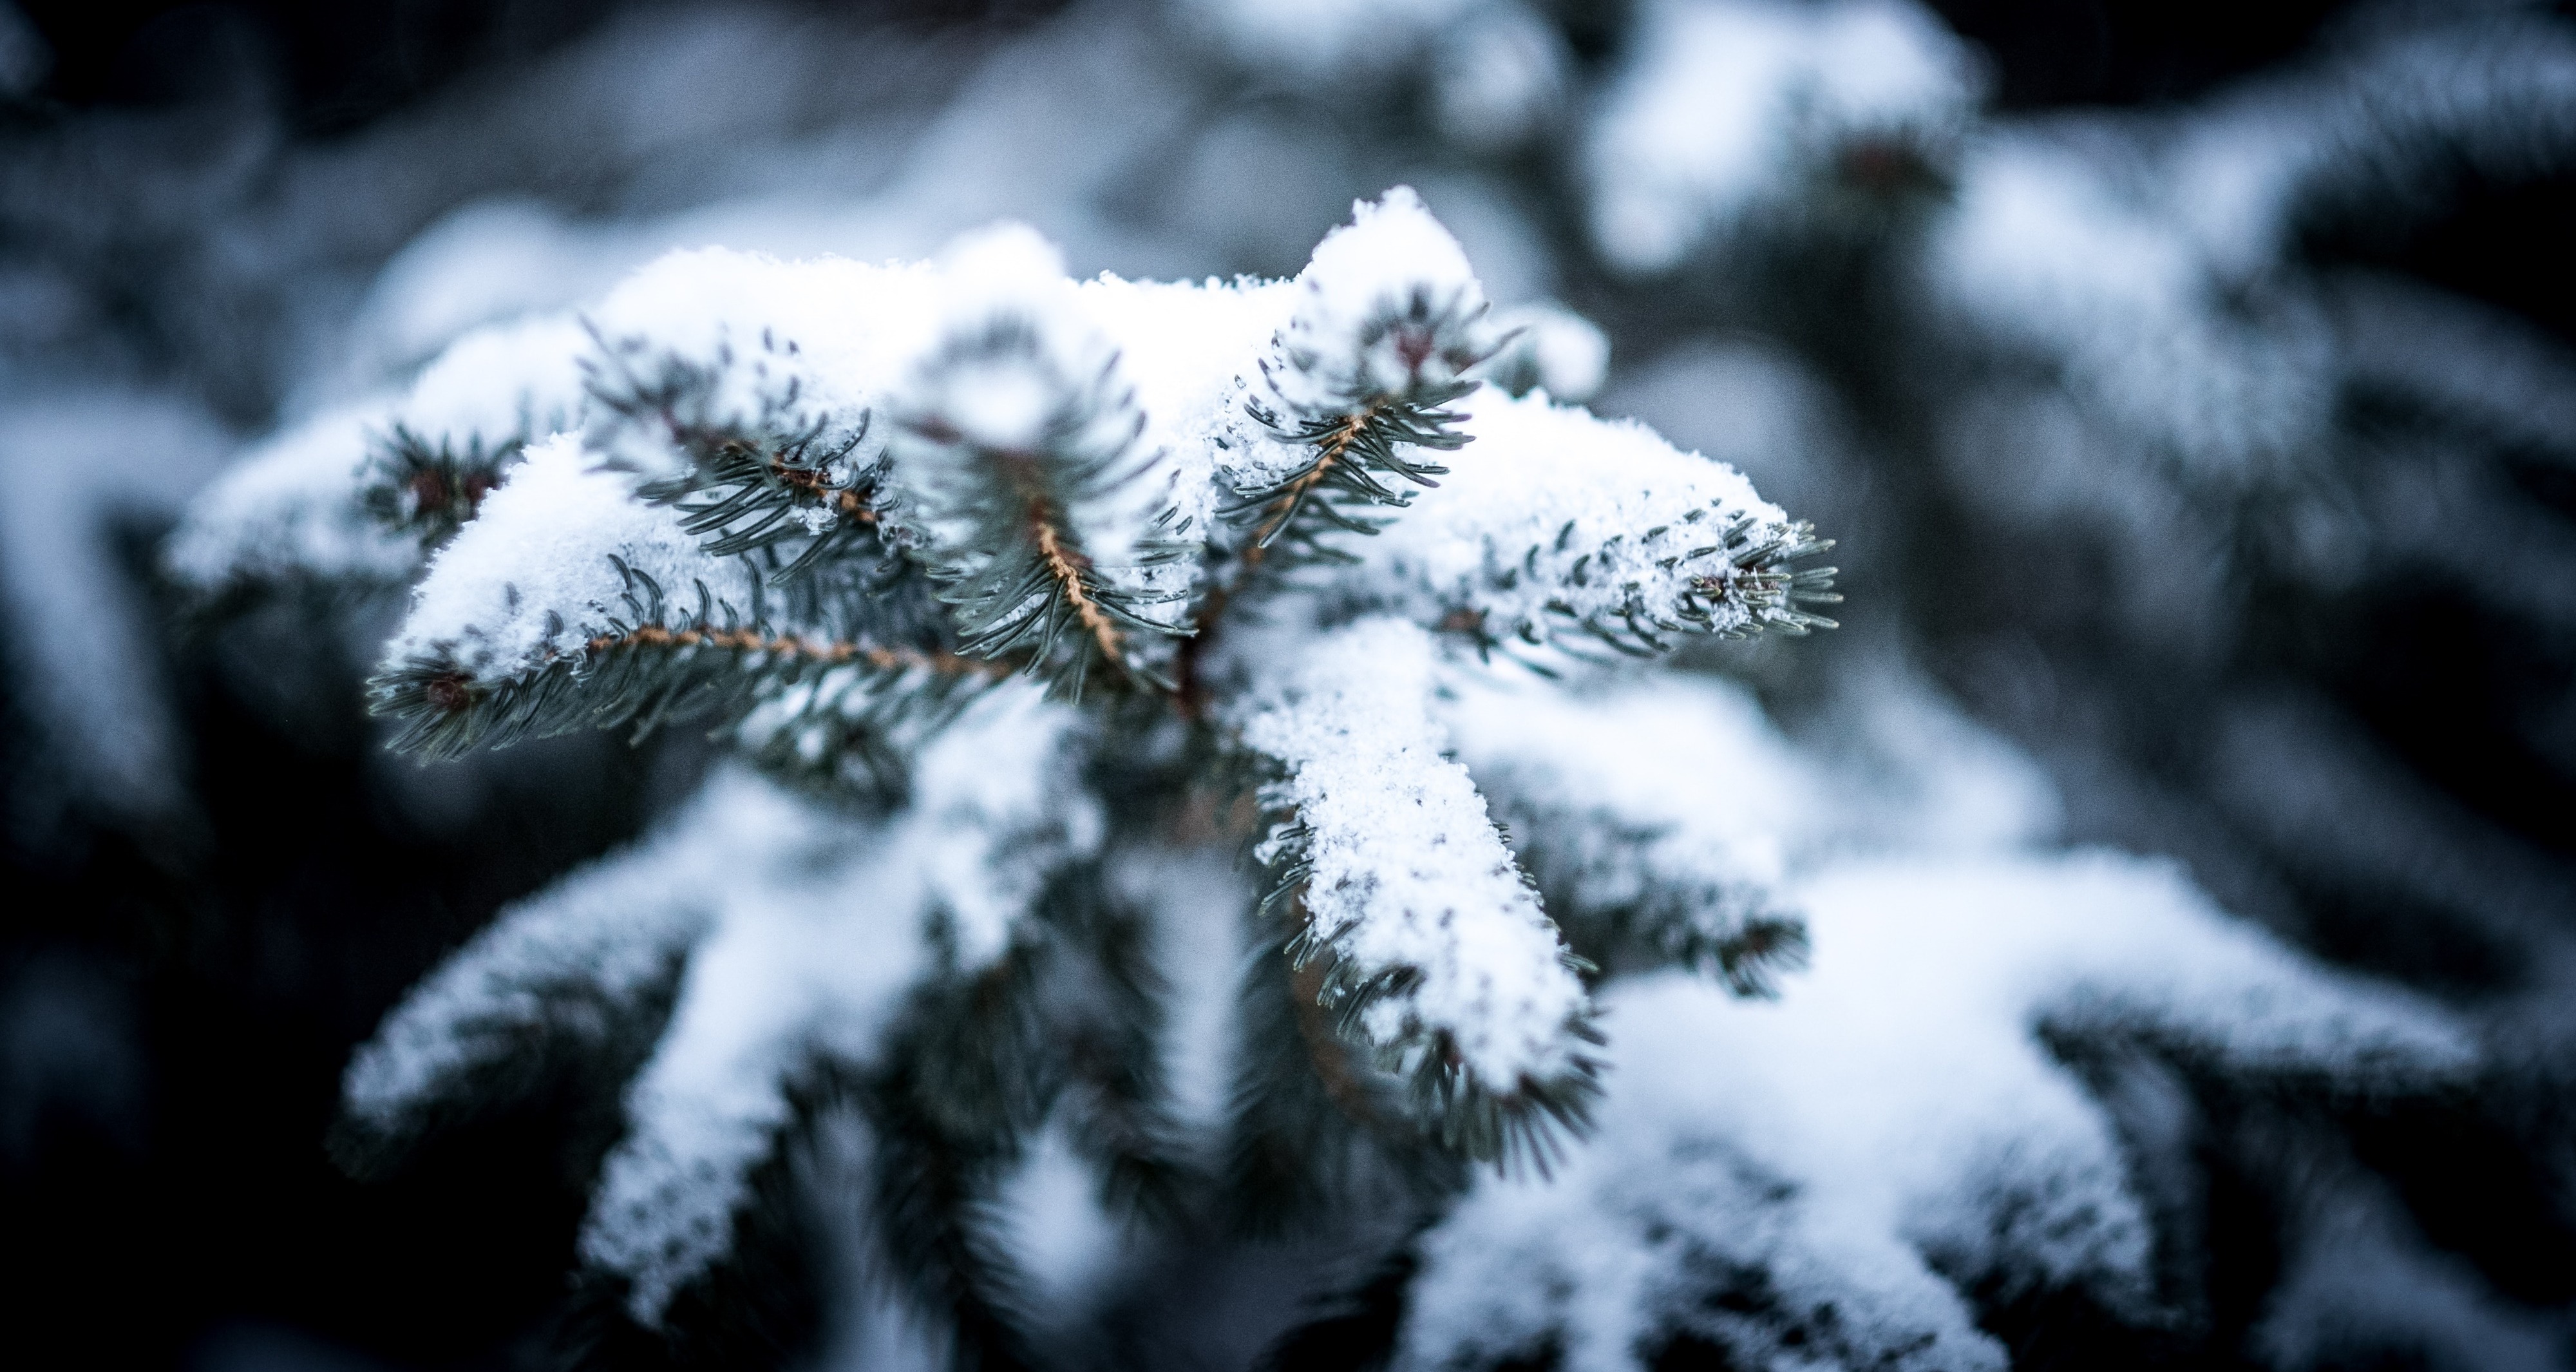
{"type": "Point", "coordinates": [784, 474]}
{"type": "Point", "coordinates": [1018, 441]}
{"type": "Point", "coordinates": [845, 505]}
{"type": "Point", "coordinates": [1349, 460]}
{"type": "Point", "coordinates": [850, 729]}
{"type": "Point", "coordinates": [1106, 1018]}
{"type": "Point", "coordinates": [586, 969]}
{"type": "Point", "coordinates": [1432, 949]}
{"type": "Point", "coordinates": [1570, 530]}
{"type": "Point", "coordinates": [291, 511]}
{"type": "Point", "coordinates": [1730, 115]}
{"type": "Point", "coordinates": [759, 955]}
{"type": "Point", "coordinates": [1388, 320]}
{"type": "Point", "coordinates": [466, 421]}
{"type": "Point", "coordinates": [1547, 347]}
{"type": "Point", "coordinates": [1313, 1128]}
{"type": "Point", "coordinates": [428, 489]}
{"type": "Point", "coordinates": [810, 699]}
{"type": "Point", "coordinates": [568, 604]}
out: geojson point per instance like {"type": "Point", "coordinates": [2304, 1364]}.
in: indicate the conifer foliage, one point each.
{"type": "Point", "coordinates": [1002, 584]}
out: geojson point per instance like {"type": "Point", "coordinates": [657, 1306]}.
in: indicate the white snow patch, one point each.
{"type": "Point", "coordinates": [1407, 871]}
{"type": "Point", "coordinates": [530, 580]}
{"type": "Point", "coordinates": [1891, 1105]}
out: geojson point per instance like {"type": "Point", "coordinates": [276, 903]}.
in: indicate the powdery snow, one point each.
{"type": "Point", "coordinates": [1406, 871]}
{"type": "Point", "coordinates": [530, 580]}
{"type": "Point", "coordinates": [997, 805]}
{"type": "Point", "coordinates": [1671, 803]}
{"type": "Point", "coordinates": [1387, 304]}
{"type": "Point", "coordinates": [1552, 519]}
{"type": "Point", "coordinates": [510, 382]}
{"type": "Point", "coordinates": [605, 935]}
{"type": "Point", "coordinates": [1777, 1177]}
{"type": "Point", "coordinates": [290, 507]}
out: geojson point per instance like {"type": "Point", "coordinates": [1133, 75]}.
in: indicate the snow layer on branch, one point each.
{"type": "Point", "coordinates": [1725, 104]}
{"type": "Point", "coordinates": [1769, 1175]}
{"type": "Point", "coordinates": [1550, 348]}
{"type": "Point", "coordinates": [771, 347]}
{"type": "Point", "coordinates": [290, 508]}
{"type": "Point", "coordinates": [2141, 258]}
{"type": "Point", "coordinates": [1386, 306]}
{"type": "Point", "coordinates": [820, 926]}
{"type": "Point", "coordinates": [1022, 371]}
{"type": "Point", "coordinates": [601, 937]}
{"type": "Point", "coordinates": [1673, 801]}
{"type": "Point", "coordinates": [1062, 1239]}
{"type": "Point", "coordinates": [814, 941]}
{"type": "Point", "coordinates": [510, 382]}
{"type": "Point", "coordinates": [1193, 898]}
{"type": "Point", "coordinates": [1405, 870]}
{"type": "Point", "coordinates": [1007, 272]}
{"type": "Point", "coordinates": [81, 469]}
{"type": "Point", "coordinates": [744, 343]}
{"type": "Point", "coordinates": [1499, 78]}
{"type": "Point", "coordinates": [1185, 347]}
{"type": "Point", "coordinates": [1552, 519]}
{"type": "Point", "coordinates": [531, 580]}
{"type": "Point", "coordinates": [1911, 774]}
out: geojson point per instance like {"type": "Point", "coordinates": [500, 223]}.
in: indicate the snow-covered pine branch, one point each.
{"type": "Point", "coordinates": [1065, 523]}
{"type": "Point", "coordinates": [1388, 321]}
{"type": "Point", "coordinates": [1019, 451]}
{"type": "Point", "coordinates": [568, 602]}
{"type": "Point", "coordinates": [754, 935]}
{"type": "Point", "coordinates": [842, 507]}
{"type": "Point", "coordinates": [594, 958]}
{"type": "Point", "coordinates": [1725, 113]}
{"type": "Point", "coordinates": [467, 419]}
{"type": "Point", "coordinates": [718, 385]}
{"type": "Point", "coordinates": [1568, 529]}
{"type": "Point", "coordinates": [1875, 1170]}
{"type": "Point", "coordinates": [1435, 952]}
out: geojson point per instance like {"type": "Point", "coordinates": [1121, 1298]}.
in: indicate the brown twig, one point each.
{"type": "Point", "coordinates": [1191, 695]}
{"type": "Point", "coordinates": [1067, 565]}
{"type": "Point", "coordinates": [813, 482]}
{"type": "Point", "coordinates": [1065, 562]}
